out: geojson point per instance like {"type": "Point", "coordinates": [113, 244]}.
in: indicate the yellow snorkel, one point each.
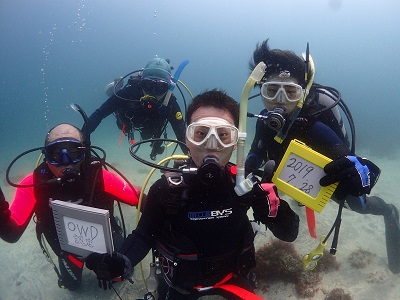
{"type": "Point", "coordinates": [244, 185]}
{"type": "Point", "coordinates": [310, 68]}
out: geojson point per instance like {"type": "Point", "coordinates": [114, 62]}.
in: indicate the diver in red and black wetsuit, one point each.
{"type": "Point", "coordinates": [64, 175]}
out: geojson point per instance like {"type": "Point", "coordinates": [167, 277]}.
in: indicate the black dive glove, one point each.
{"type": "Point", "coordinates": [275, 213]}
{"type": "Point", "coordinates": [109, 268]}
{"type": "Point", "coordinates": [261, 205]}
{"type": "Point", "coordinates": [356, 176]}
{"type": "Point", "coordinates": [5, 212]}
{"type": "Point", "coordinates": [251, 164]}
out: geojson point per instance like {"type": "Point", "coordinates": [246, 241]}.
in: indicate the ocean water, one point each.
{"type": "Point", "coordinates": [55, 53]}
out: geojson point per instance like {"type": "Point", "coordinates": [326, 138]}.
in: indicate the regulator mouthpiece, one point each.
{"type": "Point", "coordinates": [70, 175]}
{"type": "Point", "coordinates": [275, 119]}
{"type": "Point", "coordinates": [210, 171]}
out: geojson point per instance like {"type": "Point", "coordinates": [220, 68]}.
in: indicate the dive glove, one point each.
{"type": "Point", "coordinates": [356, 176]}
{"type": "Point", "coordinates": [109, 268]}
{"type": "Point", "coordinates": [251, 164]}
{"type": "Point", "coordinates": [5, 212]}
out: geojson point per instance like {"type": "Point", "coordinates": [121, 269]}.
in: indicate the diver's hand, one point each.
{"type": "Point", "coordinates": [251, 164]}
{"type": "Point", "coordinates": [356, 176]}
{"type": "Point", "coordinates": [109, 268]}
{"type": "Point", "coordinates": [265, 202]}
{"type": "Point", "coordinates": [5, 212]}
{"type": "Point", "coordinates": [268, 172]}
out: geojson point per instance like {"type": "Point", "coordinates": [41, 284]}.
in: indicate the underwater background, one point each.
{"type": "Point", "coordinates": [54, 53]}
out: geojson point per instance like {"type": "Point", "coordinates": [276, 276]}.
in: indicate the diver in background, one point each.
{"type": "Point", "coordinates": [288, 80]}
{"type": "Point", "coordinates": [64, 175]}
{"type": "Point", "coordinates": [142, 106]}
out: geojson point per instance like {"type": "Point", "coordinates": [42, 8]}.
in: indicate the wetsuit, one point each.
{"type": "Point", "coordinates": [140, 115]}
{"type": "Point", "coordinates": [202, 234]}
{"type": "Point", "coordinates": [322, 132]}
{"type": "Point", "coordinates": [35, 200]}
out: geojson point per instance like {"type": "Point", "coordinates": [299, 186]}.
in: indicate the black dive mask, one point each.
{"type": "Point", "coordinates": [275, 119]}
{"type": "Point", "coordinates": [70, 175]}
{"type": "Point", "coordinates": [210, 171]}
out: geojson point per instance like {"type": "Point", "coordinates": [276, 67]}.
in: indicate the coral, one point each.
{"type": "Point", "coordinates": [375, 277]}
{"type": "Point", "coordinates": [360, 258]}
{"type": "Point", "coordinates": [338, 294]}
{"type": "Point", "coordinates": [307, 284]}
{"type": "Point", "coordinates": [328, 263]}
{"type": "Point", "coordinates": [280, 261]}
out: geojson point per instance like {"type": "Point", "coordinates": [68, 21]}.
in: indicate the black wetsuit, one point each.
{"type": "Point", "coordinates": [205, 231]}
{"type": "Point", "coordinates": [143, 116]}
{"type": "Point", "coordinates": [323, 133]}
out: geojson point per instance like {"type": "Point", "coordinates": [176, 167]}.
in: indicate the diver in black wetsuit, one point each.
{"type": "Point", "coordinates": [196, 223]}
{"type": "Point", "coordinates": [140, 106]}
{"type": "Point", "coordinates": [318, 124]}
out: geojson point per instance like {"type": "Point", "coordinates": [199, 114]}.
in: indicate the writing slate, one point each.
{"type": "Point", "coordinates": [81, 229]}
{"type": "Point", "coordinates": [299, 173]}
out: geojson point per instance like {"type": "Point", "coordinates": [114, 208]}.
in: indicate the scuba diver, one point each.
{"type": "Point", "coordinates": [68, 173]}
{"type": "Point", "coordinates": [145, 104]}
{"type": "Point", "coordinates": [195, 222]}
{"type": "Point", "coordinates": [298, 108]}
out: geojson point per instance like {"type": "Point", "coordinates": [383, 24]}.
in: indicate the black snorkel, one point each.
{"type": "Point", "coordinates": [85, 131]}
{"type": "Point", "coordinates": [89, 179]}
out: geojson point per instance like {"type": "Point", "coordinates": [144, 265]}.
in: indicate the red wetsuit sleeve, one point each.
{"type": "Point", "coordinates": [24, 202]}
{"type": "Point", "coordinates": [119, 188]}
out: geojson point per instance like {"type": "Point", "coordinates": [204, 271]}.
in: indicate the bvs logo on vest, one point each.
{"type": "Point", "coordinates": [210, 214]}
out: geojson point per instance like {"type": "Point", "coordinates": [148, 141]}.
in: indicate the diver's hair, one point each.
{"type": "Point", "coordinates": [81, 136]}
{"type": "Point", "coordinates": [277, 61]}
{"type": "Point", "coordinates": [214, 98]}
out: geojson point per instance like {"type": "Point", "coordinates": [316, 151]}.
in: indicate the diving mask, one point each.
{"type": "Point", "coordinates": [270, 90]}
{"type": "Point", "coordinates": [64, 152]}
{"type": "Point", "coordinates": [212, 132]}
{"type": "Point", "coordinates": [154, 86]}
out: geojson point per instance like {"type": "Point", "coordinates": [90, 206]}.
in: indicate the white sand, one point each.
{"type": "Point", "coordinates": [27, 274]}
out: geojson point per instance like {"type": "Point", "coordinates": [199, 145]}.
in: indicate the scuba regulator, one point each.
{"type": "Point", "coordinates": [273, 119]}
{"type": "Point", "coordinates": [210, 171]}
{"type": "Point", "coordinates": [70, 175]}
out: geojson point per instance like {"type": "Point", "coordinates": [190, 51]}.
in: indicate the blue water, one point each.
{"type": "Point", "coordinates": [54, 53]}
